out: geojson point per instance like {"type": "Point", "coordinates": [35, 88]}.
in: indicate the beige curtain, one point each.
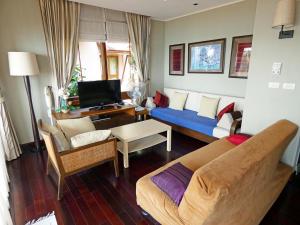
{"type": "Point", "coordinates": [61, 26]}
{"type": "Point", "coordinates": [8, 137]}
{"type": "Point", "coordinates": [139, 28]}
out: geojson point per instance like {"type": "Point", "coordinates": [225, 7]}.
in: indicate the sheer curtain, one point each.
{"type": "Point", "coordinates": [139, 28]}
{"type": "Point", "coordinates": [9, 149]}
{"type": "Point", "coordinates": [8, 138]}
{"type": "Point", "coordinates": [61, 26]}
{"type": "Point", "coordinates": [4, 190]}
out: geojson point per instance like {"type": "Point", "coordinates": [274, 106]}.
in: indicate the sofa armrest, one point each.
{"type": "Point", "coordinates": [235, 126]}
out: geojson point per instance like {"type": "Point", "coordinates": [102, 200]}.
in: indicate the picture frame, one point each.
{"type": "Point", "coordinates": [240, 56]}
{"type": "Point", "coordinates": [176, 59]}
{"type": "Point", "coordinates": [207, 56]}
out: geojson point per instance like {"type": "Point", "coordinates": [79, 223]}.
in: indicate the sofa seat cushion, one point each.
{"type": "Point", "coordinates": [187, 119]}
{"type": "Point", "coordinates": [155, 201]}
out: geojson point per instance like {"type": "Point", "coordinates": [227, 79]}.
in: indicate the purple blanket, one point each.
{"type": "Point", "coordinates": [174, 181]}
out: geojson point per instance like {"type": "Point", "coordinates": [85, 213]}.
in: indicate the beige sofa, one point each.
{"type": "Point", "coordinates": [231, 185]}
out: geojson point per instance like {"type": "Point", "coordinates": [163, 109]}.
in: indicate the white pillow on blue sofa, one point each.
{"type": "Point", "coordinates": [177, 100]}
{"type": "Point", "coordinates": [226, 121]}
{"type": "Point", "coordinates": [208, 107]}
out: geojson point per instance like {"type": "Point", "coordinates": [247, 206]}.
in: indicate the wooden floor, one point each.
{"type": "Point", "coordinates": [97, 197]}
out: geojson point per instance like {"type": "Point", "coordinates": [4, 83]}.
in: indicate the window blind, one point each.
{"type": "Point", "coordinates": [100, 24]}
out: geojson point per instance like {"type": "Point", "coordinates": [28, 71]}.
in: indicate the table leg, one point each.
{"type": "Point", "coordinates": [125, 155]}
{"type": "Point", "coordinates": [169, 139]}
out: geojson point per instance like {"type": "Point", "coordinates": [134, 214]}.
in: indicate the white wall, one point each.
{"type": "Point", "coordinates": [21, 30]}
{"type": "Point", "coordinates": [157, 56]}
{"type": "Point", "coordinates": [265, 106]}
{"type": "Point", "coordinates": [224, 22]}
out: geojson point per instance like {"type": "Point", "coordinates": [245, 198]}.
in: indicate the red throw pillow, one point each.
{"type": "Point", "coordinates": [161, 100]}
{"type": "Point", "coordinates": [238, 139]}
{"type": "Point", "coordinates": [157, 98]}
{"type": "Point", "coordinates": [227, 109]}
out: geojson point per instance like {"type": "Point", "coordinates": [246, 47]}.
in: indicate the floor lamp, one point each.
{"type": "Point", "coordinates": [25, 64]}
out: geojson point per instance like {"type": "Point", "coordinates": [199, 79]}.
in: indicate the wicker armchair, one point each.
{"type": "Point", "coordinates": [69, 162]}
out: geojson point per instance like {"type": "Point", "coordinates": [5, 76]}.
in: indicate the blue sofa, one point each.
{"type": "Point", "coordinates": [190, 124]}
{"type": "Point", "coordinates": [186, 119]}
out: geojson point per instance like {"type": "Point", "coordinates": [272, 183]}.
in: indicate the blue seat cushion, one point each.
{"type": "Point", "coordinates": [186, 118]}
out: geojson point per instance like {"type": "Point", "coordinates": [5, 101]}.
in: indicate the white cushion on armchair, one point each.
{"type": "Point", "coordinates": [89, 138]}
{"type": "Point", "coordinates": [72, 127]}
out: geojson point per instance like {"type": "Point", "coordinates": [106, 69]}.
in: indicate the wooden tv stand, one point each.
{"type": "Point", "coordinates": [125, 110]}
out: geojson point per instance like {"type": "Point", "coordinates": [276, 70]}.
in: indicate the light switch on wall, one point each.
{"type": "Point", "coordinates": [276, 68]}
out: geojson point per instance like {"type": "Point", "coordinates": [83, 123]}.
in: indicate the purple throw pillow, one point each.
{"type": "Point", "coordinates": [174, 181]}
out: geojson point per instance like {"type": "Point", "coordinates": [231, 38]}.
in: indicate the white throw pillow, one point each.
{"type": "Point", "coordinates": [226, 121]}
{"type": "Point", "coordinates": [89, 137]}
{"type": "Point", "coordinates": [208, 107]}
{"type": "Point", "coordinates": [60, 140]}
{"type": "Point", "coordinates": [72, 127]}
{"type": "Point", "coordinates": [177, 100]}
{"type": "Point", "coordinates": [150, 103]}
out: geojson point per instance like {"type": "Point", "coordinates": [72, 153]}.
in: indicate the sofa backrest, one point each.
{"type": "Point", "coordinates": [194, 99]}
{"type": "Point", "coordinates": [231, 188]}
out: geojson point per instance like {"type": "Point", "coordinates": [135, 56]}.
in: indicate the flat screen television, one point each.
{"type": "Point", "coordinates": [99, 93]}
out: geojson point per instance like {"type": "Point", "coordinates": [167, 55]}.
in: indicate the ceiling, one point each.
{"type": "Point", "coordinates": [160, 9]}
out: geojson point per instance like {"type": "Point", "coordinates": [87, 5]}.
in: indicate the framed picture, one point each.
{"type": "Point", "coordinates": [207, 56]}
{"type": "Point", "coordinates": [176, 59]}
{"type": "Point", "coordinates": [240, 56]}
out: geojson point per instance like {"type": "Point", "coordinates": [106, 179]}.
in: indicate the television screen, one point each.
{"type": "Point", "coordinates": [99, 93]}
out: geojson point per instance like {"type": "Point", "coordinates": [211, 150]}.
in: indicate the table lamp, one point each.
{"type": "Point", "coordinates": [24, 64]}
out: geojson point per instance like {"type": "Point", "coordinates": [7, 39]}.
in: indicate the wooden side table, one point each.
{"type": "Point", "coordinates": [143, 113]}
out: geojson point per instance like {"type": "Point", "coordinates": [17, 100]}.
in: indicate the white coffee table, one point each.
{"type": "Point", "coordinates": [137, 136]}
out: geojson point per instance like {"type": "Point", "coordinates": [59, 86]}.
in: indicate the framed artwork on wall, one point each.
{"type": "Point", "coordinates": [240, 56]}
{"type": "Point", "coordinates": [207, 56]}
{"type": "Point", "coordinates": [176, 59]}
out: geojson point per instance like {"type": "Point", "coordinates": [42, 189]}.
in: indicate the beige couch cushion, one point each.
{"type": "Point", "coordinates": [156, 202]}
{"type": "Point", "coordinates": [239, 186]}
{"type": "Point", "coordinates": [60, 140]}
{"type": "Point", "coordinates": [208, 107]}
{"type": "Point", "coordinates": [72, 127]}
{"type": "Point", "coordinates": [177, 101]}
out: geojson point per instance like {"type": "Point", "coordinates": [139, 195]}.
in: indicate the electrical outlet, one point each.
{"type": "Point", "coordinates": [274, 85]}
{"type": "Point", "coordinates": [289, 86]}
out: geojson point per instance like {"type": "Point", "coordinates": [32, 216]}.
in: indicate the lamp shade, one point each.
{"type": "Point", "coordinates": [285, 13]}
{"type": "Point", "coordinates": [22, 64]}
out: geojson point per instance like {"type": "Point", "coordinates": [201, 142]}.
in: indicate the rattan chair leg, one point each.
{"type": "Point", "coordinates": [48, 166]}
{"type": "Point", "coordinates": [116, 165]}
{"type": "Point", "coordinates": [61, 181]}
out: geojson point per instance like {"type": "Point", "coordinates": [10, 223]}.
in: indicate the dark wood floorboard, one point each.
{"type": "Point", "coordinates": [96, 197]}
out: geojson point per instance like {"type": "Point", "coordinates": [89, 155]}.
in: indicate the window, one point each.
{"type": "Point", "coordinates": [97, 26]}
{"type": "Point", "coordinates": [90, 61]}
{"type": "Point", "coordinates": [118, 57]}
{"type": "Point", "coordinates": [118, 62]}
